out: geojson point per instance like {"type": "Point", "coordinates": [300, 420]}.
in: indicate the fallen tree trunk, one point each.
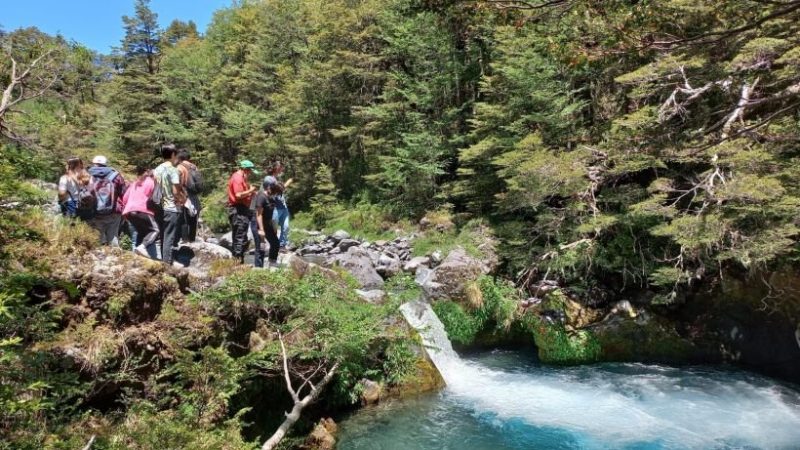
{"type": "Point", "coordinates": [299, 403]}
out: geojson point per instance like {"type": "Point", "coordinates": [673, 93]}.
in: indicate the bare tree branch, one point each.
{"type": "Point", "coordinates": [286, 374]}
{"type": "Point", "coordinates": [90, 443]}
{"type": "Point", "coordinates": [299, 404]}
{"type": "Point", "coordinates": [738, 113]}
{"type": "Point", "coordinates": [673, 106]}
{"type": "Point", "coordinates": [28, 85]}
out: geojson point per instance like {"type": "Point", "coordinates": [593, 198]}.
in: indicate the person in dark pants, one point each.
{"type": "Point", "coordinates": [192, 182]}
{"type": "Point", "coordinates": [240, 194]}
{"type": "Point", "coordinates": [173, 197]}
{"type": "Point", "coordinates": [260, 251]}
{"type": "Point", "coordinates": [265, 206]}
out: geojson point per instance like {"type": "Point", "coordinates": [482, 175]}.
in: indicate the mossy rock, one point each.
{"type": "Point", "coordinates": [645, 339]}
{"type": "Point", "coordinates": [557, 345]}
{"type": "Point", "coordinates": [426, 378]}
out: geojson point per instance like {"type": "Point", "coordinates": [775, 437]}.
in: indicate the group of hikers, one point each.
{"type": "Point", "coordinates": [162, 205]}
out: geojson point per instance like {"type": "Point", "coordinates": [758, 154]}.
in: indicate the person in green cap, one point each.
{"type": "Point", "coordinates": [240, 194]}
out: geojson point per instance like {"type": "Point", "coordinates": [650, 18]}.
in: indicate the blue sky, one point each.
{"type": "Point", "coordinates": [98, 23]}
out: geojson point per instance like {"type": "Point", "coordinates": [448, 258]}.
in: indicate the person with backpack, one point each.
{"type": "Point", "coordinates": [170, 196]}
{"type": "Point", "coordinates": [240, 194]}
{"type": "Point", "coordinates": [264, 205]}
{"type": "Point", "coordinates": [281, 212]}
{"type": "Point", "coordinates": [138, 214]}
{"type": "Point", "coordinates": [108, 187]}
{"type": "Point", "coordinates": [192, 182]}
{"type": "Point", "coordinates": [74, 190]}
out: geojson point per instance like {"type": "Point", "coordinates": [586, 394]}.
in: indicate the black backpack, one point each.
{"type": "Point", "coordinates": [194, 182]}
{"type": "Point", "coordinates": [86, 203]}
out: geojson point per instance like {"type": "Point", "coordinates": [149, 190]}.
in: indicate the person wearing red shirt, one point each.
{"type": "Point", "coordinates": [240, 194]}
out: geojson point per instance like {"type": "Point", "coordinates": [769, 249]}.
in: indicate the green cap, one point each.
{"type": "Point", "coordinates": [247, 164]}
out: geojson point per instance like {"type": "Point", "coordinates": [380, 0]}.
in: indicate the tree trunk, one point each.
{"type": "Point", "coordinates": [287, 424]}
{"type": "Point", "coordinates": [299, 404]}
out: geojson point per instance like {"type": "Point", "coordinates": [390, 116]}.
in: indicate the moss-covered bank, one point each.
{"type": "Point", "coordinates": [563, 330]}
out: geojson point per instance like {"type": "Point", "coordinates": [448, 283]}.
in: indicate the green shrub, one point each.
{"type": "Point", "coordinates": [462, 327]}
{"type": "Point", "coordinates": [556, 345]}
{"type": "Point", "coordinates": [500, 302]}
{"type": "Point", "coordinates": [402, 288]}
{"type": "Point", "coordinates": [470, 237]}
{"type": "Point", "coordinates": [400, 361]}
{"type": "Point", "coordinates": [362, 220]}
{"type": "Point", "coordinates": [145, 428]}
{"type": "Point", "coordinates": [494, 310]}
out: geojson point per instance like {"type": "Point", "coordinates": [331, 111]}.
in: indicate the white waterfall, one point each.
{"type": "Point", "coordinates": [421, 316]}
{"type": "Point", "coordinates": [616, 406]}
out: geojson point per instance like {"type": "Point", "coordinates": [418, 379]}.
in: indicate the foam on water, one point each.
{"type": "Point", "coordinates": [623, 405]}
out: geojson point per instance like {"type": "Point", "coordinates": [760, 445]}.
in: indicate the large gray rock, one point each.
{"type": "Point", "coordinates": [358, 262]}
{"type": "Point", "coordinates": [198, 257]}
{"type": "Point", "coordinates": [415, 263]}
{"type": "Point", "coordinates": [448, 280]}
{"type": "Point", "coordinates": [436, 258]}
{"type": "Point", "coordinates": [422, 275]}
{"type": "Point", "coordinates": [389, 265]}
{"type": "Point", "coordinates": [340, 235]}
{"type": "Point", "coordinates": [376, 296]}
{"type": "Point", "coordinates": [346, 244]}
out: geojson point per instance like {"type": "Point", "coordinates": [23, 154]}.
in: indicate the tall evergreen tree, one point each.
{"type": "Point", "coordinates": [141, 46]}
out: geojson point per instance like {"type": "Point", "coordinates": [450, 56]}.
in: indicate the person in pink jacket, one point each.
{"type": "Point", "coordinates": [136, 211]}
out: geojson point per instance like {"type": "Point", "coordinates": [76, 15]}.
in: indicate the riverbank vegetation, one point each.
{"type": "Point", "coordinates": [108, 345]}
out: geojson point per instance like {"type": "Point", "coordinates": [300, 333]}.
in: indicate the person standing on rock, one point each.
{"type": "Point", "coordinates": [260, 252]}
{"type": "Point", "coordinates": [192, 182]}
{"type": "Point", "coordinates": [72, 187]}
{"type": "Point", "coordinates": [240, 195]}
{"type": "Point", "coordinates": [171, 197]}
{"type": "Point", "coordinates": [264, 205]}
{"type": "Point", "coordinates": [281, 213]}
{"type": "Point", "coordinates": [108, 187]}
{"type": "Point", "coordinates": [137, 212]}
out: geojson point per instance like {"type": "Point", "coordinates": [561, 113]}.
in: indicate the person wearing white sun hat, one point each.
{"type": "Point", "coordinates": [107, 187]}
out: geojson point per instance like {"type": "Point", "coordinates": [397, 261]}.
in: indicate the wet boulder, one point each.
{"type": "Point", "coordinates": [323, 436]}
{"type": "Point", "coordinates": [371, 392]}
